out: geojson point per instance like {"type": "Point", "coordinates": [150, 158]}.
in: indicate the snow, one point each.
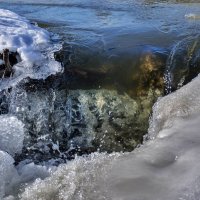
{"type": "Point", "coordinates": [33, 44]}
{"type": "Point", "coordinates": [11, 134]}
{"type": "Point", "coordinates": [7, 173]}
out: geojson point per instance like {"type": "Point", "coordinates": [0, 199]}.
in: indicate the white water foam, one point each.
{"type": "Point", "coordinates": [33, 45]}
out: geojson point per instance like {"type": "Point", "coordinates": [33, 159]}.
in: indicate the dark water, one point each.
{"type": "Point", "coordinates": [111, 36]}
{"type": "Point", "coordinates": [118, 58]}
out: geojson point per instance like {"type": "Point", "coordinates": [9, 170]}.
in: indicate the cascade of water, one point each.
{"type": "Point", "coordinates": [182, 64]}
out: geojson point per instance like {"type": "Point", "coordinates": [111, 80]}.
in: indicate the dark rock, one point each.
{"type": "Point", "coordinates": [8, 60]}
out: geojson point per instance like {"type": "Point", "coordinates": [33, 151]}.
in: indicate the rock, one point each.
{"type": "Point", "coordinates": [8, 59]}
{"type": "Point", "coordinates": [151, 72]}
{"type": "Point", "coordinates": [103, 119]}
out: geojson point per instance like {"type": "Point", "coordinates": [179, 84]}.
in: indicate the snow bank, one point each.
{"type": "Point", "coordinates": [33, 44]}
{"type": "Point", "coordinates": [7, 173]}
{"type": "Point", "coordinates": [166, 167]}
{"type": "Point", "coordinates": [11, 134]}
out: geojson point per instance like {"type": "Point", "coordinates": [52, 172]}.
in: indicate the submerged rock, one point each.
{"type": "Point", "coordinates": [104, 119]}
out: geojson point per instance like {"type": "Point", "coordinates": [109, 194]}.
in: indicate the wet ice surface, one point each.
{"type": "Point", "coordinates": [167, 168]}
{"type": "Point", "coordinates": [33, 45]}
{"type": "Point", "coordinates": [79, 179]}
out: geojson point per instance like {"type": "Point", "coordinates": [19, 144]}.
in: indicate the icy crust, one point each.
{"type": "Point", "coordinates": [33, 45]}
{"type": "Point", "coordinates": [11, 142]}
{"type": "Point", "coordinates": [77, 180]}
{"type": "Point", "coordinates": [13, 179]}
{"type": "Point", "coordinates": [11, 134]}
{"type": "Point", "coordinates": [164, 168]}
{"type": "Point", "coordinates": [180, 104]}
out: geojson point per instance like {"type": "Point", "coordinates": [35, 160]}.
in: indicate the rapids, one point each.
{"type": "Point", "coordinates": [43, 120]}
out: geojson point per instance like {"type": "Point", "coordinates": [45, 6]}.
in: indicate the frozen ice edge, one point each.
{"type": "Point", "coordinates": [33, 44]}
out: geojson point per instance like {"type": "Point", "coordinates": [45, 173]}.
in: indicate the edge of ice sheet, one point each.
{"type": "Point", "coordinates": [11, 134]}
{"type": "Point", "coordinates": [78, 179]}
{"type": "Point", "coordinates": [33, 44]}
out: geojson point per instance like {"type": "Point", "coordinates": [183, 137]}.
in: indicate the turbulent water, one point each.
{"type": "Point", "coordinates": [41, 122]}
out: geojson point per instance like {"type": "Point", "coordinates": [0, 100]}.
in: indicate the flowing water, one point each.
{"type": "Point", "coordinates": [70, 118]}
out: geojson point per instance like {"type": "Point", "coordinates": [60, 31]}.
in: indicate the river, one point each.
{"type": "Point", "coordinates": [114, 114]}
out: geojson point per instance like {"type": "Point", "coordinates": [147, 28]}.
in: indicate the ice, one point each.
{"type": "Point", "coordinates": [11, 134]}
{"type": "Point", "coordinates": [167, 166]}
{"type": "Point", "coordinates": [7, 173]}
{"type": "Point", "coordinates": [33, 44]}
{"type": "Point", "coordinates": [12, 179]}
{"type": "Point", "coordinates": [192, 16]}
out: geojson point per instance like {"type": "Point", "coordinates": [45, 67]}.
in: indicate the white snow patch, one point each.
{"type": "Point", "coordinates": [11, 134]}
{"type": "Point", "coordinates": [166, 167]}
{"type": "Point", "coordinates": [7, 173]}
{"type": "Point", "coordinates": [33, 45]}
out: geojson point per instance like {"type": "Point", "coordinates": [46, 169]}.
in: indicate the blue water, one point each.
{"type": "Point", "coordinates": [123, 24]}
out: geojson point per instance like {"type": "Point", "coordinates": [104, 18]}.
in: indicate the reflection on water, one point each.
{"type": "Point", "coordinates": [117, 29]}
